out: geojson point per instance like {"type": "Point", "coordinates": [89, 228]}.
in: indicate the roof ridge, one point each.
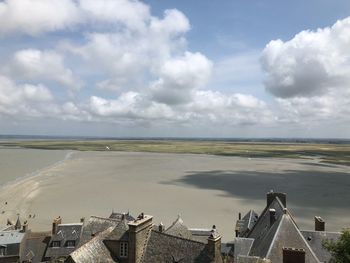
{"type": "Point", "coordinates": [105, 218]}
{"type": "Point", "coordinates": [274, 236]}
{"type": "Point", "coordinates": [182, 238]}
{"type": "Point", "coordinates": [177, 220]}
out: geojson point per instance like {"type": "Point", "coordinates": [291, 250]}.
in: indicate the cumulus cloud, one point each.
{"type": "Point", "coordinates": [205, 107]}
{"type": "Point", "coordinates": [33, 64]}
{"type": "Point", "coordinates": [129, 55]}
{"type": "Point", "coordinates": [310, 64]}
{"type": "Point", "coordinates": [310, 74]}
{"type": "Point", "coordinates": [180, 77]}
{"type": "Point", "coordinates": [22, 99]}
{"type": "Point", "coordinates": [36, 16]}
{"type": "Point", "coordinates": [133, 14]}
{"type": "Point", "coordinates": [136, 67]}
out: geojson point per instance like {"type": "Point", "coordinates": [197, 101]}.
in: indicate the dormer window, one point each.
{"type": "Point", "coordinates": [56, 244]}
{"type": "Point", "coordinates": [70, 243]}
{"type": "Point", "coordinates": [124, 249]}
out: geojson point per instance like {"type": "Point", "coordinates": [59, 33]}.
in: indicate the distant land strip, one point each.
{"type": "Point", "coordinates": [326, 152]}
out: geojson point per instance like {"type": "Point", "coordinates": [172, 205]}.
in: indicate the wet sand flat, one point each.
{"type": "Point", "coordinates": [203, 189]}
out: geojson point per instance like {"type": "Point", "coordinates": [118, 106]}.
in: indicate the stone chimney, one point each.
{"type": "Point", "coordinates": [214, 246]}
{"type": "Point", "coordinates": [270, 196]}
{"type": "Point", "coordinates": [55, 224]}
{"type": "Point", "coordinates": [139, 231]}
{"type": "Point", "coordinates": [272, 213]}
{"type": "Point", "coordinates": [161, 227]}
{"type": "Point", "coordinates": [320, 224]}
{"type": "Point", "coordinates": [24, 226]}
{"type": "Point", "coordinates": [293, 255]}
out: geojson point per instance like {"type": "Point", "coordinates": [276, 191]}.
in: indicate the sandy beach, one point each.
{"type": "Point", "coordinates": [203, 189]}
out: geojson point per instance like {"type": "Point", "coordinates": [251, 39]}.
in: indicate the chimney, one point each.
{"type": "Point", "coordinates": [139, 231]}
{"type": "Point", "coordinates": [55, 224]}
{"type": "Point", "coordinates": [161, 227]}
{"type": "Point", "coordinates": [82, 220]}
{"type": "Point", "coordinates": [214, 246]}
{"type": "Point", "coordinates": [320, 224]}
{"type": "Point", "coordinates": [272, 213]}
{"type": "Point", "coordinates": [239, 216]}
{"type": "Point", "coordinates": [24, 226]}
{"type": "Point", "coordinates": [270, 196]}
{"type": "Point", "coordinates": [293, 255]}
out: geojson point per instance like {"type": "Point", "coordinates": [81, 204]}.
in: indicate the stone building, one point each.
{"type": "Point", "coordinates": [140, 240]}
{"type": "Point", "coordinates": [64, 239]}
{"type": "Point", "coordinates": [275, 236]}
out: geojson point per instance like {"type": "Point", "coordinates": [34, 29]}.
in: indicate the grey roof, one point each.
{"type": "Point", "coordinates": [11, 237]}
{"type": "Point", "coordinates": [36, 244]}
{"type": "Point", "coordinates": [288, 235]}
{"type": "Point", "coordinates": [248, 222]}
{"type": "Point", "coordinates": [120, 232]}
{"type": "Point", "coordinates": [120, 216]}
{"type": "Point", "coordinates": [179, 229]}
{"type": "Point", "coordinates": [269, 239]}
{"type": "Point", "coordinates": [200, 234]}
{"type": "Point", "coordinates": [7, 228]}
{"type": "Point", "coordinates": [315, 239]}
{"type": "Point", "coordinates": [162, 247]}
{"type": "Point", "coordinates": [262, 232]}
{"type": "Point", "coordinates": [96, 225]}
{"type": "Point", "coordinates": [94, 250]}
{"type": "Point", "coordinates": [65, 232]}
{"type": "Point", "coordinates": [241, 247]}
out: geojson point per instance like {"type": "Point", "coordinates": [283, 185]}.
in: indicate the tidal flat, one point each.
{"type": "Point", "coordinates": [204, 189]}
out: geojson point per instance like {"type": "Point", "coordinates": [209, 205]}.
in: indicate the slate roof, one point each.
{"type": "Point", "coordinates": [11, 237]}
{"type": "Point", "coordinates": [94, 250]}
{"type": "Point", "coordinates": [179, 229]}
{"type": "Point", "coordinates": [241, 247]}
{"type": "Point", "coordinates": [269, 239]}
{"type": "Point", "coordinates": [36, 244]}
{"type": "Point", "coordinates": [162, 247]}
{"type": "Point", "coordinates": [96, 225]}
{"type": "Point", "coordinates": [120, 232]}
{"type": "Point", "coordinates": [65, 233]}
{"type": "Point", "coordinates": [200, 234]}
{"type": "Point", "coordinates": [262, 232]}
{"type": "Point", "coordinates": [120, 216]}
{"type": "Point", "coordinates": [247, 223]}
{"type": "Point", "coordinates": [315, 239]}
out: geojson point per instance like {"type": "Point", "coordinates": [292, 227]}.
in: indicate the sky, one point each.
{"type": "Point", "coordinates": [166, 68]}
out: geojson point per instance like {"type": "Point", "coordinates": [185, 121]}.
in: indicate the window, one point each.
{"type": "Point", "coordinates": [70, 243]}
{"type": "Point", "coordinates": [56, 243]}
{"type": "Point", "coordinates": [3, 250]}
{"type": "Point", "coordinates": [124, 249]}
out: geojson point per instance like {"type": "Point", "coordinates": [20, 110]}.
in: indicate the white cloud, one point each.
{"type": "Point", "coordinates": [310, 75]}
{"type": "Point", "coordinates": [205, 107]}
{"type": "Point", "coordinates": [33, 64]}
{"type": "Point", "coordinates": [310, 64]}
{"type": "Point", "coordinates": [180, 77]}
{"type": "Point", "coordinates": [27, 100]}
{"type": "Point", "coordinates": [130, 55]}
{"type": "Point", "coordinates": [36, 16]}
{"type": "Point", "coordinates": [133, 14]}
